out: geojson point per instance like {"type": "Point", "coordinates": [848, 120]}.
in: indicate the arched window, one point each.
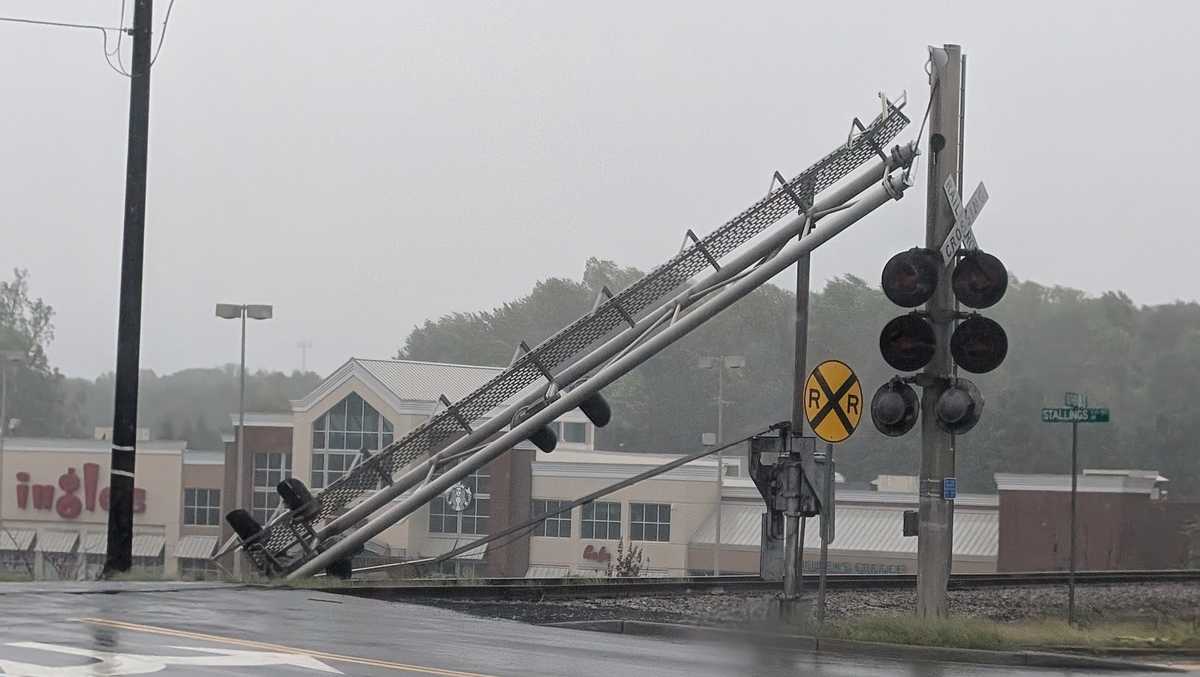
{"type": "Point", "coordinates": [341, 433]}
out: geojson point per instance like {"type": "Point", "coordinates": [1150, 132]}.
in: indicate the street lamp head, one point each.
{"type": "Point", "coordinates": [229, 311]}
{"type": "Point", "coordinates": [735, 361]}
{"type": "Point", "coordinates": [705, 363]}
{"type": "Point", "coordinates": [13, 357]}
{"type": "Point", "coordinates": [259, 311]}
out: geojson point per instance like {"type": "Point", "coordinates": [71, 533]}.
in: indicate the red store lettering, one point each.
{"type": "Point", "coordinates": [69, 506]}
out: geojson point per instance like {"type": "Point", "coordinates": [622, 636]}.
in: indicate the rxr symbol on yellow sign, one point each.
{"type": "Point", "coordinates": [833, 401]}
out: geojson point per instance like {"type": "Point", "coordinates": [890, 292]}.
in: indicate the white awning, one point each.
{"type": "Point", "coordinates": [147, 545]}
{"type": "Point", "coordinates": [547, 572]}
{"type": "Point", "coordinates": [441, 546]}
{"type": "Point", "coordinates": [56, 541]}
{"type": "Point", "coordinates": [17, 540]}
{"type": "Point", "coordinates": [195, 547]}
{"type": "Point", "coordinates": [94, 544]}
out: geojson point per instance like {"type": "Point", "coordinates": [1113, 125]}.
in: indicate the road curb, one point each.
{"type": "Point", "coordinates": [1040, 659]}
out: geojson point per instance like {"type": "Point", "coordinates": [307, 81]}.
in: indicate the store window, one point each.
{"type": "Point", "coordinates": [341, 434]}
{"type": "Point", "coordinates": [572, 432]}
{"type": "Point", "coordinates": [202, 507]}
{"type": "Point", "coordinates": [601, 519]}
{"type": "Point", "coordinates": [270, 468]}
{"type": "Point", "coordinates": [193, 569]}
{"type": "Point", "coordinates": [558, 526]}
{"type": "Point", "coordinates": [650, 522]}
{"type": "Point", "coordinates": [474, 520]}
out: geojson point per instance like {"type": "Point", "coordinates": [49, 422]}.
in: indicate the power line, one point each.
{"type": "Point", "coordinates": [108, 56]}
{"type": "Point", "coordinates": [118, 68]}
{"type": "Point", "coordinates": [163, 36]}
{"type": "Point", "coordinates": [120, 20]}
{"type": "Point", "coordinates": [59, 24]}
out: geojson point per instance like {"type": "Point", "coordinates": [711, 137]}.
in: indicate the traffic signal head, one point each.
{"type": "Point", "coordinates": [911, 277]}
{"type": "Point", "coordinates": [959, 407]}
{"type": "Point", "coordinates": [894, 408]}
{"type": "Point", "coordinates": [298, 498]}
{"type": "Point", "coordinates": [596, 408]}
{"type": "Point", "coordinates": [979, 280]}
{"type": "Point", "coordinates": [979, 344]}
{"type": "Point", "coordinates": [907, 342]}
{"type": "Point", "coordinates": [545, 439]}
{"type": "Point", "coordinates": [244, 524]}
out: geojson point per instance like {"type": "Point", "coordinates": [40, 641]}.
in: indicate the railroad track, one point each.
{"type": "Point", "coordinates": [539, 588]}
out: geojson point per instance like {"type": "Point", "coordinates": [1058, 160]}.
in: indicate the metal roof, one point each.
{"type": "Point", "coordinates": [426, 381]}
{"type": "Point", "coordinates": [540, 571]}
{"type": "Point", "coordinates": [17, 540]}
{"type": "Point", "coordinates": [56, 541]}
{"type": "Point", "coordinates": [203, 457]}
{"type": "Point", "coordinates": [195, 547]}
{"type": "Point", "coordinates": [440, 546]}
{"type": "Point", "coordinates": [147, 545]}
{"type": "Point", "coordinates": [72, 445]}
{"type": "Point", "coordinates": [860, 528]}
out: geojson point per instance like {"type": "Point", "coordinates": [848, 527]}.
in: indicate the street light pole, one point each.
{"type": "Point", "coordinates": [720, 481]}
{"type": "Point", "coordinates": [230, 311]}
{"type": "Point", "coordinates": [720, 363]}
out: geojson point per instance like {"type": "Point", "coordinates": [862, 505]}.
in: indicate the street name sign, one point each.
{"type": "Point", "coordinates": [961, 236]}
{"type": "Point", "coordinates": [833, 401]}
{"type": "Point", "coordinates": [1074, 415]}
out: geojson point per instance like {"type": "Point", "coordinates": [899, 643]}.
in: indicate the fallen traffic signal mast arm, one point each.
{"type": "Point", "coordinates": [903, 157]}
{"type": "Point", "coordinates": [891, 188]}
{"type": "Point", "coordinates": [357, 495]}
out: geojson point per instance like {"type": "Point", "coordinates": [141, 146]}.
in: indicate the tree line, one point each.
{"type": "Point", "coordinates": [1140, 361]}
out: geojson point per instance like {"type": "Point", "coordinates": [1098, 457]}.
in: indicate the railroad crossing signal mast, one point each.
{"type": "Point", "coordinates": [939, 340]}
{"type": "Point", "coordinates": [569, 369]}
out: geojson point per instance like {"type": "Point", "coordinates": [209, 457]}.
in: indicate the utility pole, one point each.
{"type": "Point", "coordinates": [935, 533]}
{"type": "Point", "coordinates": [129, 320]}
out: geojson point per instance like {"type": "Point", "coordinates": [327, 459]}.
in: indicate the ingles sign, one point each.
{"type": "Point", "coordinates": [70, 505]}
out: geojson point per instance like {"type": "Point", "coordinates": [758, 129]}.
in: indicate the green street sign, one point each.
{"type": "Point", "coordinates": [1074, 415]}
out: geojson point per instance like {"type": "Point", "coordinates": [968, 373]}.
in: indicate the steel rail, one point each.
{"type": "Point", "coordinates": [539, 588]}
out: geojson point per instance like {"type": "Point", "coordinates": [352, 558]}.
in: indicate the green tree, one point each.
{"type": "Point", "coordinates": [1142, 362]}
{"type": "Point", "coordinates": [37, 396]}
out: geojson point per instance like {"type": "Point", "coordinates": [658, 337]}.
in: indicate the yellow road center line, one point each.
{"type": "Point", "coordinates": [279, 648]}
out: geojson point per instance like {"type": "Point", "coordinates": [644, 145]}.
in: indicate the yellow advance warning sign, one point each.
{"type": "Point", "coordinates": [833, 401]}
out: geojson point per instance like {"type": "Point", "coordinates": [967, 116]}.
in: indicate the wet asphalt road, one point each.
{"type": "Point", "coordinates": [75, 630]}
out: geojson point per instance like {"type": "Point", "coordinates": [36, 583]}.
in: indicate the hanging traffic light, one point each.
{"type": "Point", "coordinates": [545, 439]}
{"type": "Point", "coordinates": [979, 280]}
{"type": "Point", "coordinates": [910, 277]}
{"type": "Point", "coordinates": [959, 407]}
{"type": "Point", "coordinates": [596, 408]}
{"type": "Point", "coordinates": [243, 523]}
{"type": "Point", "coordinates": [907, 342]}
{"type": "Point", "coordinates": [979, 344]}
{"type": "Point", "coordinates": [894, 408]}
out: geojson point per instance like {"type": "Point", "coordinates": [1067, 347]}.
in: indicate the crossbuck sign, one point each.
{"type": "Point", "coordinates": [960, 236]}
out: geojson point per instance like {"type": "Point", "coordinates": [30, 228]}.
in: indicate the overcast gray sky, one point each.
{"type": "Point", "coordinates": [364, 166]}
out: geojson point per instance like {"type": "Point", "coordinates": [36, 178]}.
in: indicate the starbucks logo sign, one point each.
{"type": "Point", "coordinates": [458, 497]}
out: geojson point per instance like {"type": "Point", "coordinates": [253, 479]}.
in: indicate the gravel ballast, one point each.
{"type": "Point", "coordinates": [1093, 602]}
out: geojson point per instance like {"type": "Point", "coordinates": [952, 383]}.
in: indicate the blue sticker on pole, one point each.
{"type": "Point", "coordinates": [949, 488]}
